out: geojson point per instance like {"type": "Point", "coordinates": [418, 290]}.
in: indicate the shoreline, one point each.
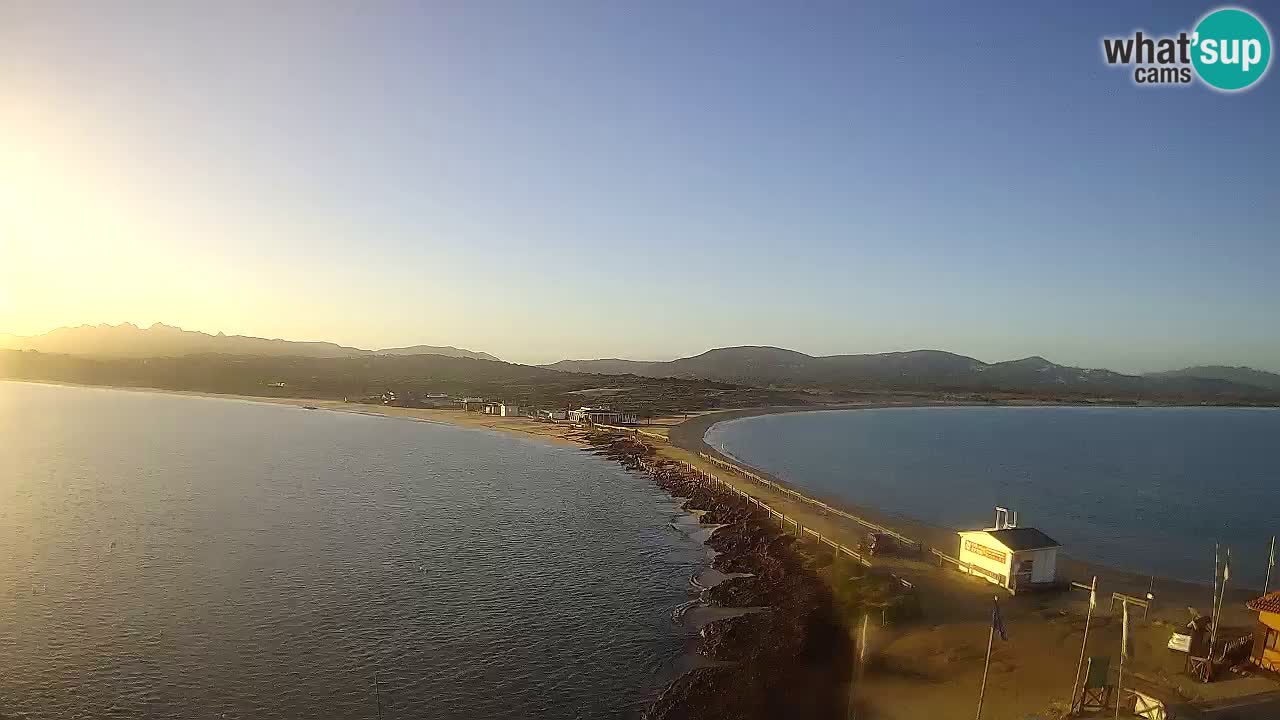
{"type": "Point", "coordinates": [691, 436]}
{"type": "Point", "coordinates": [929, 668]}
{"type": "Point", "coordinates": [919, 669]}
{"type": "Point", "coordinates": [555, 433]}
{"type": "Point", "coordinates": [782, 652]}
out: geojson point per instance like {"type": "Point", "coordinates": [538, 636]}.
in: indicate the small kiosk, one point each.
{"type": "Point", "coordinates": [1017, 559]}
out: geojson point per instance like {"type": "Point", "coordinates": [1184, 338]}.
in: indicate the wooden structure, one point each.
{"type": "Point", "coordinates": [1095, 694]}
{"type": "Point", "coordinates": [1266, 637]}
{"type": "Point", "coordinates": [1200, 668]}
{"type": "Point", "coordinates": [1145, 706]}
{"type": "Point", "coordinates": [1130, 600]}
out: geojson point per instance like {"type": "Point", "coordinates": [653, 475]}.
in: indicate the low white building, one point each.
{"type": "Point", "coordinates": [506, 410]}
{"type": "Point", "coordinates": [1015, 558]}
{"type": "Point", "coordinates": [603, 416]}
{"type": "Point", "coordinates": [553, 414]}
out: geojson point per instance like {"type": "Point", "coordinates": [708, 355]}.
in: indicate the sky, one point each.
{"type": "Point", "coordinates": [647, 180]}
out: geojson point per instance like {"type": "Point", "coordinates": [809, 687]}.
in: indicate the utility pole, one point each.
{"type": "Point", "coordinates": [377, 694]}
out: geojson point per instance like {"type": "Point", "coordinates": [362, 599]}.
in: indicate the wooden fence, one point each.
{"type": "Point", "coordinates": [784, 520]}
{"type": "Point", "coordinates": [634, 432]}
{"type": "Point", "coordinates": [874, 527]}
{"type": "Point", "coordinates": [963, 566]}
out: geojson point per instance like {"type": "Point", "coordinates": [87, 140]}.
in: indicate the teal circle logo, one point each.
{"type": "Point", "coordinates": [1232, 49]}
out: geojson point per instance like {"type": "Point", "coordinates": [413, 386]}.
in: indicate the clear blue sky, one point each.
{"type": "Point", "coordinates": [830, 177]}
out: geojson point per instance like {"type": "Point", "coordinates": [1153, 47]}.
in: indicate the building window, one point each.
{"type": "Point", "coordinates": [1273, 639]}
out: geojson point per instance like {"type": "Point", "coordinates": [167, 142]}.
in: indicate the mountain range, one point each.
{"type": "Point", "coordinates": [160, 340]}
{"type": "Point", "coordinates": [930, 369]}
{"type": "Point", "coordinates": [1241, 375]}
{"type": "Point", "coordinates": [750, 366]}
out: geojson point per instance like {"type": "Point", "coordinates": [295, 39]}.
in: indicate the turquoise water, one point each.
{"type": "Point", "coordinates": [1142, 489]}
{"type": "Point", "coordinates": [181, 557]}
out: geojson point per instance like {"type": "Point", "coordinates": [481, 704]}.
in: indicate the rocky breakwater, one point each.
{"type": "Point", "coordinates": [791, 660]}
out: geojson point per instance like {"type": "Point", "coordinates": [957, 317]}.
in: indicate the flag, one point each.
{"type": "Point", "coordinates": [1126, 648]}
{"type": "Point", "coordinates": [1093, 596]}
{"type": "Point", "coordinates": [1226, 568]}
{"type": "Point", "coordinates": [1271, 561]}
{"type": "Point", "coordinates": [997, 622]}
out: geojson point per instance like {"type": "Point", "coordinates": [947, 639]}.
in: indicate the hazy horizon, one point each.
{"type": "Point", "coordinates": [637, 182]}
{"type": "Point", "coordinates": [1136, 371]}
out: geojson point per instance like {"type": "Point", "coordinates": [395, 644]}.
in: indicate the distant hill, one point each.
{"type": "Point", "coordinates": [917, 370]}
{"type": "Point", "coordinates": [1241, 375]}
{"type": "Point", "coordinates": [414, 380]}
{"type": "Point", "coordinates": [447, 351]}
{"type": "Point", "coordinates": [159, 340]}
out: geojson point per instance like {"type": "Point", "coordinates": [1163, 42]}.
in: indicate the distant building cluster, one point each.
{"type": "Point", "coordinates": [593, 415]}
{"type": "Point", "coordinates": [501, 409]}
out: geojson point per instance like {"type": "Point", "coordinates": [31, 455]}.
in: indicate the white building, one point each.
{"type": "Point", "coordinates": [1015, 558]}
{"type": "Point", "coordinates": [553, 414]}
{"type": "Point", "coordinates": [602, 416]}
{"type": "Point", "coordinates": [506, 410]}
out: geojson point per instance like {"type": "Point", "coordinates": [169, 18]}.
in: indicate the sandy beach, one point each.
{"type": "Point", "coordinates": [559, 433]}
{"type": "Point", "coordinates": [932, 668]}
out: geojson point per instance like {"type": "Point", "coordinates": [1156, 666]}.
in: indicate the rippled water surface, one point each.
{"type": "Point", "coordinates": [1144, 489]}
{"type": "Point", "coordinates": [180, 557]}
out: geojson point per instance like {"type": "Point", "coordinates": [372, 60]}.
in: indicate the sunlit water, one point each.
{"type": "Point", "coordinates": [180, 557]}
{"type": "Point", "coordinates": [1143, 489]}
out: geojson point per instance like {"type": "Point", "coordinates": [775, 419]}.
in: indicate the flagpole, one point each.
{"type": "Point", "coordinates": [1213, 637]}
{"type": "Point", "coordinates": [1124, 650]}
{"type": "Point", "coordinates": [1271, 562]}
{"type": "Point", "coordinates": [990, 641]}
{"type": "Point", "coordinates": [1075, 687]}
{"type": "Point", "coordinates": [862, 662]}
{"type": "Point", "coordinates": [1217, 561]}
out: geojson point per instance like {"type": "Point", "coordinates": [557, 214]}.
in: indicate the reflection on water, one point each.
{"type": "Point", "coordinates": [178, 557]}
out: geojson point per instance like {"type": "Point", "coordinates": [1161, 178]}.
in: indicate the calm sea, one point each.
{"type": "Point", "coordinates": [1142, 489]}
{"type": "Point", "coordinates": [182, 557]}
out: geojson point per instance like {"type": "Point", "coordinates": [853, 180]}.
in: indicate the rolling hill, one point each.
{"type": "Point", "coordinates": [1239, 375]}
{"type": "Point", "coordinates": [919, 370]}
{"type": "Point", "coordinates": [416, 380]}
{"type": "Point", "coordinates": [160, 340]}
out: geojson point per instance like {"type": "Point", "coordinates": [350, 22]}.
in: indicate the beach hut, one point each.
{"type": "Point", "coordinates": [1017, 559]}
{"type": "Point", "coordinates": [1266, 638]}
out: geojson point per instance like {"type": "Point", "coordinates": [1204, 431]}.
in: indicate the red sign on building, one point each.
{"type": "Point", "coordinates": [986, 552]}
